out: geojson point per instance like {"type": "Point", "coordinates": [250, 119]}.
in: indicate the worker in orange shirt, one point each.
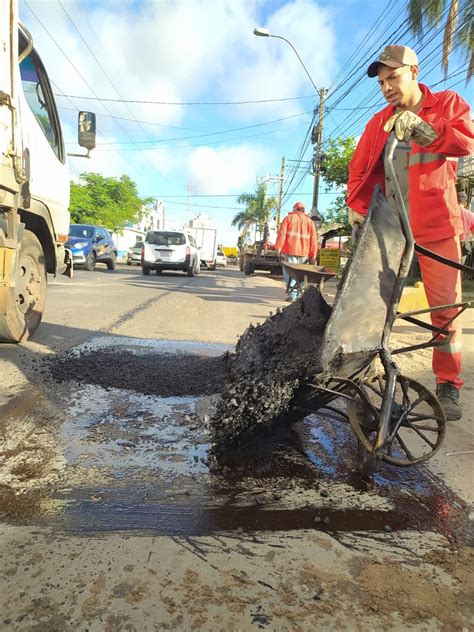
{"type": "Point", "coordinates": [297, 242]}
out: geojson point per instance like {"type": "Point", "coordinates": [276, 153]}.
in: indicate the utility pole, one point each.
{"type": "Point", "coordinates": [317, 139]}
{"type": "Point", "coordinates": [280, 192]}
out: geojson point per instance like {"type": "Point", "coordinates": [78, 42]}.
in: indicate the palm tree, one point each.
{"type": "Point", "coordinates": [458, 27]}
{"type": "Point", "coordinates": [258, 210]}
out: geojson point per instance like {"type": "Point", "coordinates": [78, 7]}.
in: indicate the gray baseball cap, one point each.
{"type": "Point", "coordinates": [394, 56]}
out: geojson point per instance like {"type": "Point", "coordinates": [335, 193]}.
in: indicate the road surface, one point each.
{"type": "Point", "coordinates": [115, 518]}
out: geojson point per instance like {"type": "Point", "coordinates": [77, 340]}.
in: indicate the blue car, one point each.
{"type": "Point", "coordinates": [90, 245]}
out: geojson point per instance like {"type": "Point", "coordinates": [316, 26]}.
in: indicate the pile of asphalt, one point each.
{"type": "Point", "coordinates": [269, 364]}
{"type": "Point", "coordinates": [149, 373]}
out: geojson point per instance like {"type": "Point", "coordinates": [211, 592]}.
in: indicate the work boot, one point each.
{"type": "Point", "coordinates": [448, 396]}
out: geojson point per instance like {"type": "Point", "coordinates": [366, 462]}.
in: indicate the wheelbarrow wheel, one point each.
{"type": "Point", "coordinates": [417, 424]}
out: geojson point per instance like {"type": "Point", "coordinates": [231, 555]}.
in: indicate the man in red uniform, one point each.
{"type": "Point", "coordinates": [297, 241]}
{"type": "Point", "coordinates": [433, 129]}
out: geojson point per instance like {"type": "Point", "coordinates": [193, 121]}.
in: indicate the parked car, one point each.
{"type": "Point", "coordinates": [134, 254]}
{"type": "Point", "coordinates": [170, 250]}
{"type": "Point", "coordinates": [90, 245]}
{"type": "Point", "coordinates": [221, 259]}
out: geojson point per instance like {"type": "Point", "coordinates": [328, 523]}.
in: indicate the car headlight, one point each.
{"type": "Point", "coordinates": [80, 245]}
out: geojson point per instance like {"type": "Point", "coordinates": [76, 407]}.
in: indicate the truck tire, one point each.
{"type": "Point", "coordinates": [90, 262]}
{"type": "Point", "coordinates": [247, 267]}
{"type": "Point", "coordinates": [26, 300]}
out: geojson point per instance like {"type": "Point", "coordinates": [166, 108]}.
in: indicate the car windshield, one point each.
{"type": "Point", "coordinates": [166, 239]}
{"type": "Point", "coordinates": [77, 230]}
{"type": "Point", "coordinates": [139, 244]}
{"type": "Point", "coordinates": [220, 254]}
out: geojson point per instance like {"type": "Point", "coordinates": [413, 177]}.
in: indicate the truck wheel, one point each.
{"type": "Point", "coordinates": [247, 266]}
{"type": "Point", "coordinates": [145, 270]}
{"type": "Point", "coordinates": [90, 262]}
{"type": "Point", "coordinates": [26, 300]}
{"type": "Point", "coordinates": [190, 270]}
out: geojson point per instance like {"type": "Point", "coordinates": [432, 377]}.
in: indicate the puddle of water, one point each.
{"type": "Point", "coordinates": [123, 431]}
{"type": "Point", "coordinates": [140, 462]}
{"type": "Point", "coordinates": [155, 454]}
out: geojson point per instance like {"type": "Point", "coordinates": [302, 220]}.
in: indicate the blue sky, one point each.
{"type": "Point", "coordinates": [211, 107]}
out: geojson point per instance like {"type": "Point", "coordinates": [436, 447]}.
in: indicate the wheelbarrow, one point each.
{"type": "Point", "coordinates": [394, 418]}
{"type": "Point", "coordinates": [306, 274]}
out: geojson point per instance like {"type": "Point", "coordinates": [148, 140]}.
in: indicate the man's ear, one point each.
{"type": "Point", "coordinates": [414, 72]}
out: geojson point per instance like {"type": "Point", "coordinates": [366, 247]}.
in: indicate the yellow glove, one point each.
{"type": "Point", "coordinates": [409, 126]}
{"type": "Point", "coordinates": [355, 218]}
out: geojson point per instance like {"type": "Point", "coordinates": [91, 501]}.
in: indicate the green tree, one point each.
{"type": "Point", "coordinates": [109, 202]}
{"type": "Point", "coordinates": [258, 210]}
{"type": "Point", "coordinates": [335, 171]}
{"type": "Point", "coordinates": [458, 26]}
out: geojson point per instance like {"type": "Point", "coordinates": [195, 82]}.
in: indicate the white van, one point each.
{"type": "Point", "coordinates": [170, 250]}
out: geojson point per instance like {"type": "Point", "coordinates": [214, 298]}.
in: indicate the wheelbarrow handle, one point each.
{"type": "Point", "coordinates": [390, 147]}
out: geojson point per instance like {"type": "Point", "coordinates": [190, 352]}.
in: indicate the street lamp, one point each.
{"type": "Point", "coordinates": [317, 136]}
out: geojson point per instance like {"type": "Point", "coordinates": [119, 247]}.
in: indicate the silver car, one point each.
{"type": "Point", "coordinates": [170, 250]}
{"type": "Point", "coordinates": [134, 254]}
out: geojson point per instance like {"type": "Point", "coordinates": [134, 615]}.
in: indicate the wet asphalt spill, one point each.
{"type": "Point", "coordinates": [134, 461]}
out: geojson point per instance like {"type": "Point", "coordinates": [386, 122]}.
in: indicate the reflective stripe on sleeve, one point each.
{"type": "Point", "coordinates": [421, 159]}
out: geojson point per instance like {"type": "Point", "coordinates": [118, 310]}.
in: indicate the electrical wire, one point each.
{"type": "Point", "coordinates": [78, 72]}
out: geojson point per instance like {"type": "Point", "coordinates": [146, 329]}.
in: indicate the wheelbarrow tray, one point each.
{"type": "Point", "coordinates": [306, 273]}
{"type": "Point", "coordinates": [353, 334]}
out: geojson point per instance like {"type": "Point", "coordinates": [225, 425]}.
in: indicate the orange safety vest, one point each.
{"type": "Point", "coordinates": [434, 212]}
{"type": "Point", "coordinates": [297, 236]}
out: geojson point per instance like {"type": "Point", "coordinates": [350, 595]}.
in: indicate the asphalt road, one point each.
{"type": "Point", "coordinates": [114, 517]}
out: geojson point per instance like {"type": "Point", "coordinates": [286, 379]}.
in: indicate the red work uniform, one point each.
{"type": "Point", "coordinates": [297, 236]}
{"type": "Point", "coordinates": [434, 214]}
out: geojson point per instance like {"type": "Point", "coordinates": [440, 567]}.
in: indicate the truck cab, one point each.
{"type": "Point", "coordinates": [34, 180]}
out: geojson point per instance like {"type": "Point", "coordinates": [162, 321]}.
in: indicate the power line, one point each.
{"type": "Point", "coordinates": [344, 128]}
{"type": "Point", "coordinates": [227, 131]}
{"type": "Point", "coordinates": [105, 73]}
{"type": "Point", "coordinates": [102, 135]}
{"type": "Point", "coordinates": [225, 195]}
{"type": "Point", "coordinates": [193, 103]}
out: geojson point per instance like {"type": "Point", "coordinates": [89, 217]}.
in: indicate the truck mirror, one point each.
{"type": "Point", "coordinates": [86, 130]}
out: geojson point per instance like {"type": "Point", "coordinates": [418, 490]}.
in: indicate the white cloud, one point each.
{"type": "Point", "coordinates": [225, 170]}
{"type": "Point", "coordinates": [182, 51]}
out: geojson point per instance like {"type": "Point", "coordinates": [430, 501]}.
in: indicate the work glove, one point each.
{"type": "Point", "coordinates": [355, 220]}
{"type": "Point", "coordinates": [311, 261]}
{"type": "Point", "coordinates": [409, 126]}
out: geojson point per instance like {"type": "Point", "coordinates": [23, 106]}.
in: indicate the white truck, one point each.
{"type": "Point", "coordinates": [34, 180]}
{"type": "Point", "coordinates": [206, 241]}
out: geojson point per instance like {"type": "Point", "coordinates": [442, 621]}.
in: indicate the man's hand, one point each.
{"type": "Point", "coordinates": [355, 220]}
{"type": "Point", "coordinates": [409, 126]}
{"type": "Point", "coordinates": [311, 261]}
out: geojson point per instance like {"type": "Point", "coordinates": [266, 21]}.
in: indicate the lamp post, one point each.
{"type": "Point", "coordinates": [317, 135]}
